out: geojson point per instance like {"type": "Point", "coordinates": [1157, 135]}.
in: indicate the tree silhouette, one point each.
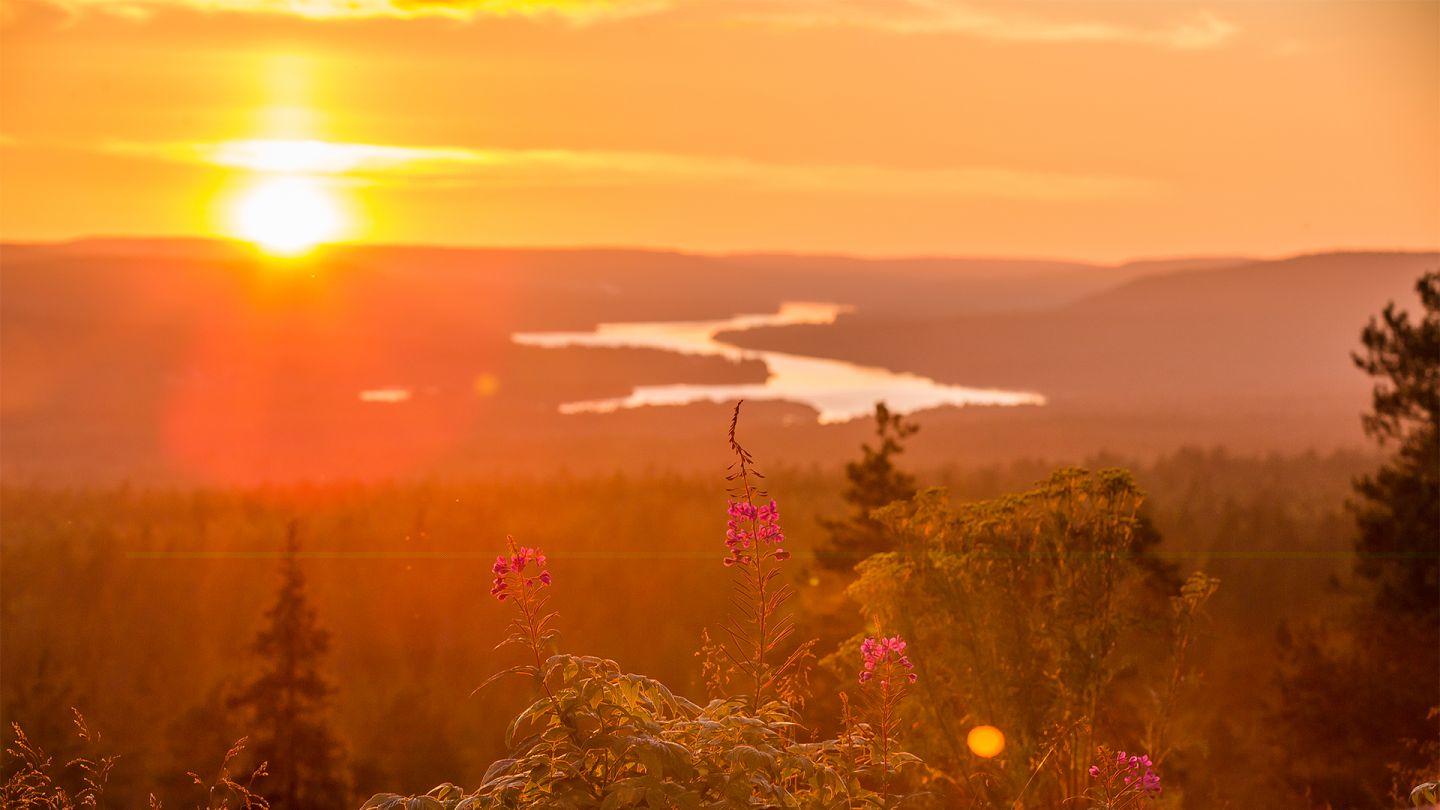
{"type": "Point", "coordinates": [287, 701]}
{"type": "Point", "coordinates": [1398, 511]}
{"type": "Point", "coordinates": [875, 481]}
{"type": "Point", "coordinates": [1364, 691]}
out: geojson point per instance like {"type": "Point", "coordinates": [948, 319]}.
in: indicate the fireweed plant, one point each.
{"type": "Point", "coordinates": [596, 737]}
{"type": "Point", "coordinates": [1121, 781]}
{"type": "Point", "coordinates": [522, 577]}
{"type": "Point", "coordinates": [885, 672]}
{"type": "Point", "coordinates": [758, 628]}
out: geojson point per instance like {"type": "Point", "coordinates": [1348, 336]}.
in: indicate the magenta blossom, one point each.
{"type": "Point", "coordinates": [1128, 775]}
{"type": "Point", "coordinates": [509, 571]}
{"type": "Point", "coordinates": [876, 654]}
{"type": "Point", "coordinates": [748, 527]}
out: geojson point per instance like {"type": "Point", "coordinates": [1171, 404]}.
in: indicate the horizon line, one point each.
{"type": "Point", "coordinates": [215, 239]}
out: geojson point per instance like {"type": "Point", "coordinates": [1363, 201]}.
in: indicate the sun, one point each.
{"type": "Point", "coordinates": [287, 216]}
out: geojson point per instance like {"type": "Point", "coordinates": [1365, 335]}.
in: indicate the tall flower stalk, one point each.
{"type": "Point", "coordinates": [522, 578]}
{"type": "Point", "coordinates": [754, 550]}
{"type": "Point", "coordinates": [885, 675]}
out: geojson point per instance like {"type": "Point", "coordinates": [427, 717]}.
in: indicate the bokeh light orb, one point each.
{"type": "Point", "coordinates": [985, 741]}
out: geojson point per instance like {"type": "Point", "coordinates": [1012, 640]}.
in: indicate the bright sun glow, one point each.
{"type": "Point", "coordinates": [287, 215]}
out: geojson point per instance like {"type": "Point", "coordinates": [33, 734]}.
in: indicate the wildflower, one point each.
{"type": "Point", "coordinates": [1134, 774]}
{"type": "Point", "coordinates": [874, 653]}
{"type": "Point", "coordinates": [508, 568]}
{"type": "Point", "coordinates": [748, 527]}
{"type": "Point", "coordinates": [884, 659]}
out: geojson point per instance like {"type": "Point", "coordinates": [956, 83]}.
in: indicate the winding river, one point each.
{"type": "Point", "coordinates": [837, 390]}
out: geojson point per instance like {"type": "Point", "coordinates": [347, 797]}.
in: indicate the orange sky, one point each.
{"type": "Point", "coordinates": [1068, 129]}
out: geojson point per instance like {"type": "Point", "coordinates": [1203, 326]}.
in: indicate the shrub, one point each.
{"type": "Point", "coordinates": [1040, 615]}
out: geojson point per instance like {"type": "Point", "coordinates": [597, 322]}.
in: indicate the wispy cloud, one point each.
{"type": "Point", "coordinates": [1011, 22]}
{"type": "Point", "coordinates": [573, 11]}
{"type": "Point", "coordinates": [515, 168]}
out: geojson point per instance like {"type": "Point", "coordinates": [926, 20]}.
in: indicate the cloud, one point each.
{"type": "Point", "coordinates": [1007, 22]}
{"type": "Point", "coordinates": [549, 168]}
{"type": "Point", "coordinates": [574, 11]}
{"type": "Point", "coordinates": [1197, 31]}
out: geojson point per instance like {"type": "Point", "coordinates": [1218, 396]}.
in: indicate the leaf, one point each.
{"type": "Point", "coordinates": [751, 758]}
{"type": "Point", "coordinates": [535, 709]}
{"type": "Point", "coordinates": [526, 669]}
{"type": "Point", "coordinates": [627, 792]}
{"type": "Point", "coordinates": [446, 792]}
{"type": "Point", "coordinates": [497, 768]}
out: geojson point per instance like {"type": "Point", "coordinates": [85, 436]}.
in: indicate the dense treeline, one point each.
{"type": "Point", "coordinates": [140, 606]}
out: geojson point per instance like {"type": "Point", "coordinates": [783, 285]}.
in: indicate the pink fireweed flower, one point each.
{"type": "Point", "coordinates": [875, 654]}
{"type": "Point", "coordinates": [1131, 774]}
{"type": "Point", "coordinates": [883, 660]}
{"type": "Point", "coordinates": [507, 571]}
{"type": "Point", "coordinates": [748, 527]}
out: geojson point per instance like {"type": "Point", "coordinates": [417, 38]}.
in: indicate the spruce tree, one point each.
{"type": "Point", "coordinates": [287, 701]}
{"type": "Point", "coordinates": [875, 481]}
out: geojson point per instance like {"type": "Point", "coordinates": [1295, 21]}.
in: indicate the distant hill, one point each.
{"type": "Point", "coordinates": [909, 288]}
{"type": "Point", "coordinates": [1270, 335]}
{"type": "Point", "coordinates": [176, 359]}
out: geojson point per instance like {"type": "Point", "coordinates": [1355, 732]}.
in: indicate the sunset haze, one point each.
{"type": "Point", "coordinates": [1094, 131]}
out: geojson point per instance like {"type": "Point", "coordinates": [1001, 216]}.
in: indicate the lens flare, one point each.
{"type": "Point", "coordinates": [287, 216]}
{"type": "Point", "coordinates": [985, 741]}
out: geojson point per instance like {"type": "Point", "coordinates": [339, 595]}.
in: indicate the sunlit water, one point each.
{"type": "Point", "coordinates": [388, 396]}
{"type": "Point", "coordinates": [837, 390]}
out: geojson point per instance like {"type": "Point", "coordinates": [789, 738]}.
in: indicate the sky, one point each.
{"type": "Point", "coordinates": [1073, 129]}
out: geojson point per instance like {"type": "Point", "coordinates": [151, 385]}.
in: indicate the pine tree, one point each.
{"type": "Point", "coordinates": [287, 702]}
{"type": "Point", "coordinates": [1364, 691]}
{"type": "Point", "coordinates": [875, 481]}
{"type": "Point", "coordinates": [1399, 508]}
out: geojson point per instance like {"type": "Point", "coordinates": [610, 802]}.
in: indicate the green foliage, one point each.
{"type": "Point", "coordinates": [1399, 508]}
{"type": "Point", "coordinates": [1037, 613]}
{"type": "Point", "coordinates": [609, 739]}
{"type": "Point", "coordinates": [286, 702]}
{"type": "Point", "coordinates": [874, 481]}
